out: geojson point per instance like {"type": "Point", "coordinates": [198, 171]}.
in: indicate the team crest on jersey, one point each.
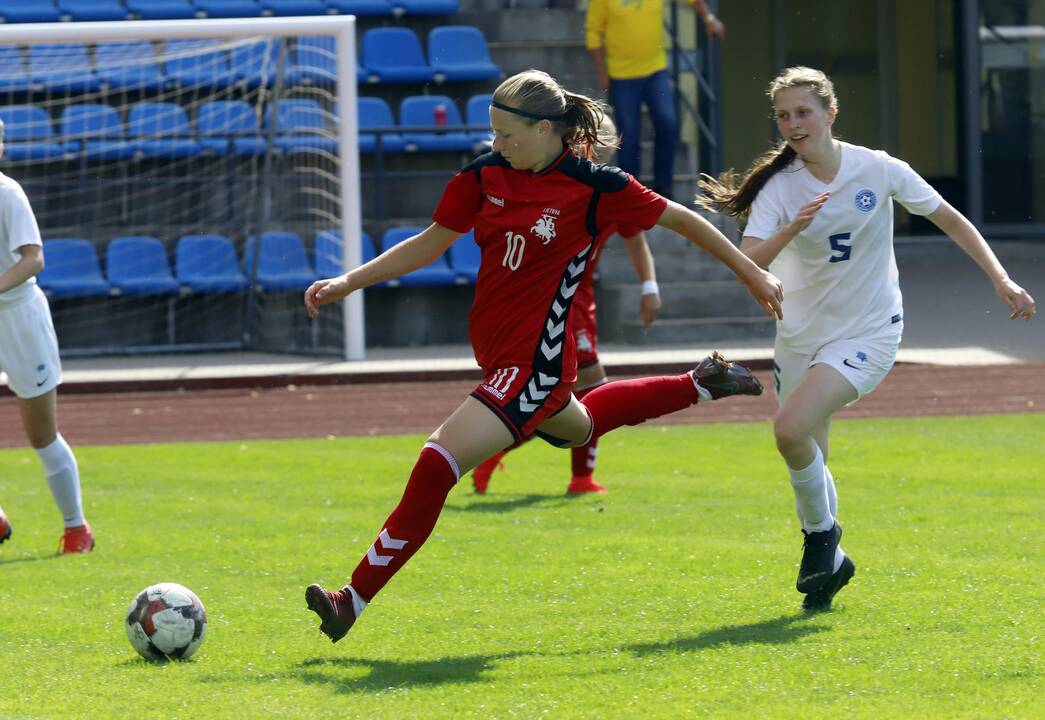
{"type": "Point", "coordinates": [544, 228]}
{"type": "Point", "coordinates": [866, 200]}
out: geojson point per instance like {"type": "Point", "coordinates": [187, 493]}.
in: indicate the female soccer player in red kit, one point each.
{"type": "Point", "coordinates": [540, 211]}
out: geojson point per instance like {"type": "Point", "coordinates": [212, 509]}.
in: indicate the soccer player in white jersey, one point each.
{"type": "Point", "coordinates": [29, 358]}
{"type": "Point", "coordinates": [820, 218]}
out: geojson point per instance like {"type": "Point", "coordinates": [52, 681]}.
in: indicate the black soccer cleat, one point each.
{"type": "Point", "coordinates": [820, 600]}
{"type": "Point", "coordinates": [723, 378]}
{"type": "Point", "coordinates": [335, 609]}
{"type": "Point", "coordinates": [818, 559]}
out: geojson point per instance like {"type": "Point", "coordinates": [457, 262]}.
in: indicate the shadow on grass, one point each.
{"type": "Point", "coordinates": [386, 674]}
{"type": "Point", "coordinates": [510, 503]}
{"type": "Point", "coordinates": [29, 558]}
{"type": "Point", "coordinates": [784, 629]}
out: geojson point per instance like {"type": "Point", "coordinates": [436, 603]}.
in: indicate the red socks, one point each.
{"type": "Point", "coordinates": [631, 402]}
{"type": "Point", "coordinates": [410, 524]}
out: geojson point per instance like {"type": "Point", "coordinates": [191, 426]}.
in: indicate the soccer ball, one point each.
{"type": "Point", "coordinates": [166, 621]}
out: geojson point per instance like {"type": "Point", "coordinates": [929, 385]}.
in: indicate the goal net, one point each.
{"type": "Point", "coordinates": [190, 179]}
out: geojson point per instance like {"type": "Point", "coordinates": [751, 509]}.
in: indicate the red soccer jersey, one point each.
{"type": "Point", "coordinates": [537, 233]}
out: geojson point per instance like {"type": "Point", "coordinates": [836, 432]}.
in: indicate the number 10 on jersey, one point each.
{"type": "Point", "coordinates": [513, 254]}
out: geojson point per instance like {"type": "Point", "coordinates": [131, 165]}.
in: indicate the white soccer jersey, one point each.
{"type": "Point", "coordinates": [839, 274]}
{"type": "Point", "coordinates": [17, 228]}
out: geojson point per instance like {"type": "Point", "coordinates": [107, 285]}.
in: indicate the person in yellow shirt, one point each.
{"type": "Point", "coordinates": [626, 41]}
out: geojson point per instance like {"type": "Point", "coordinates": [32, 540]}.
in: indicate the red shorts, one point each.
{"type": "Point", "coordinates": [522, 398]}
{"type": "Point", "coordinates": [586, 333]}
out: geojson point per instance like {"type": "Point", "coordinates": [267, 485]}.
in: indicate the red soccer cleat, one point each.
{"type": "Point", "coordinates": [76, 540]}
{"type": "Point", "coordinates": [481, 474]}
{"type": "Point", "coordinates": [584, 484]}
{"type": "Point", "coordinates": [5, 527]}
{"type": "Point", "coordinates": [337, 610]}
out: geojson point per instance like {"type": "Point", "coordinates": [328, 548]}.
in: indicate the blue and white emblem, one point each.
{"type": "Point", "coordinates": [866, 200]}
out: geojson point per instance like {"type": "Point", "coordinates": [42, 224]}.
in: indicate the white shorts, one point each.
{"type": "Point", "coordinates": [29, 347]}
{"type": "Point", "coordinates": [864, 361]}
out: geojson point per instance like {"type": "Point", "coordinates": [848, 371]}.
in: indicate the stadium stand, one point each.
{"type": "Point", "coordinates": [229, 126]}
{"type": "Point", "coordinates": [282, 263]}
{"type": "Point", "coordinates": [126, 65]}
{"type": "Point", "coordinates": [302, 125]}
{"type": "Point", "coordinates": [92, 10]}
{"type": "Point", "coordinates": [62, 68]}
{"type": "Point", "coordinates": [99, 128]}
{"type": "Point", "coordinates": [459, 53]}
{"type": "Point", "coordinates": [161, 130]}
{"type": "Point", "coordinates": [29, 134]}
{"type": "Point", "coordinates": [228, 8]}
{"type": "Point", "coordinates": [361, 8]}
{"type": "Point", "coordinates": [161, 9]}
{"type": "Point", "coordinates": [197, 64]}
{"type": "Point", "coordinates": [207, 264]}
{"type": "Point", "coordinates": [294, 7]}
{"type": "Point", "coordinates": [137, 265]}
{"type": "Point", "coordinates": [20, 11]}
{"type": "Point", "coordinates": [432, 111]}
{"type": "Point", "coordinates": [72, 270]}
{"type": "Point", "coordinates": [374, 114]}
{"type": "Point", "coordinates": [394, 55]}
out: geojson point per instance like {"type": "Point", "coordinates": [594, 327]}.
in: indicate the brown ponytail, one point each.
{"type": "Point", "coordinates": [723, 194]}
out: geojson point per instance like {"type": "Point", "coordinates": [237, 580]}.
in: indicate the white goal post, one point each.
{"type": "Point", "coordinates": [342, 185]}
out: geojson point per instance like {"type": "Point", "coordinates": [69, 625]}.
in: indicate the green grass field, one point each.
{"type": "Point", "coordinates": [673, 596]}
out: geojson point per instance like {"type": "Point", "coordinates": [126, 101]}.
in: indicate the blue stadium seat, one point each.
{"type": "Point", "coordinates": [228, 8]}
{"type": "Point", "coordinates": [437, 272]}
{"type": "Point", "coordinates": [13, 77]}
{"type": "Point", "coordinates": [282, 262]}
{"type": "Point", "coordinates": [71, 269]}
{"type": "Point", "coordinates": [361, 8]}
{"type": "Point", "coordinates": [137, 265]}
{"type": "Point", "coordinates": [459, 53]}
{"type": "Point", "coordinates": [295, 7]}
{"type": "Point", "coordinates": [328, 249]}
{"type": "Point", "coordinates": [302, 125]}
{"type": "Point", "coordinates": [161, 130]}
{"type": "Point", "coordinates": [197, 63]}
{"type": "Point", "coordinates": [313, 62]}
{"type": "Point", "coordinates": [464, 257]}
{"type": "Point", "coordinates": [478, 113]}
{"type": "Point", "coordinates": [229, 126]}
{"type": "Point", "coordinates": [374, 114]}
{"type": "Point", "coordinates": [255, 63]}
{"type": "Point", "coordinates": [162, 9]}
{"type": "Point", "coordinates": [394, 55]}
{"type": "Point", "coordinates": [100, 130]}
{"type": "Point", "coordinates": [29, 134]}
{"type": "Point", "coordinates": [208, 264]}
{"type": "Point", "coordinates": [128, 65]}
{"type": "Point", "coordinates": [421, 110]}
{"type": "Point", "coordinates": [62, 67]}
{"type": "Point", "coordinates": [81, 10]}
{"type": "Point", "coordinates": [20, 11]}
{"type": "Point", "coordinates": [425, 7]}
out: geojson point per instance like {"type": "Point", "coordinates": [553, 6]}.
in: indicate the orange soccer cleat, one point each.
{"type": "Point", "coordinates": [581, 484]}
{"type": "Point", "coordinates": [76, 540]}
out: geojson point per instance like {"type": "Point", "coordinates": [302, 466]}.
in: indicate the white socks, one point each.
{"type": "Point", "coordinates": [811, 495]}
{"type": "Point", "coordinates": [358, 603]}
{"type": "Point", "coordinates": [816, 497]}
{"type": "Point", "coordinates": [63, 477]}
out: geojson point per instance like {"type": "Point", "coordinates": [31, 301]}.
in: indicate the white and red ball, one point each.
{"type": "Point", "coordinates": [166, 621]}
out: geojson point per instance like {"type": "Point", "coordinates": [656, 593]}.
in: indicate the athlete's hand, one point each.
{"type": "Point", "coordinates": [649, 306]}
{"type": "Point", "coordinates": [1020, 302]}
{"type": "Point", "coordinates": [323, 292]}
{"type": "Point", "coordinates": [769, 292]}
{"type": "Point", "coordinates": [807, 213]}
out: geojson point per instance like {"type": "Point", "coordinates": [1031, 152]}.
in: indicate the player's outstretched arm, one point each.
{"type": "Point", "coordinates": [645, 268]}
{"type": "Point", "coordinates": [762, 285]}
{"type": "Point", "coordinates": [965, 235]}
{"type": "Point", "coordinates": [411, 254]}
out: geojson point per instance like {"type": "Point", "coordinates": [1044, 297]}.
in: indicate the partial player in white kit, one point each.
{"type": "Point", "coordinates": [29, 359]}
{"type": "Point", "coordinates": [820, 218]}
